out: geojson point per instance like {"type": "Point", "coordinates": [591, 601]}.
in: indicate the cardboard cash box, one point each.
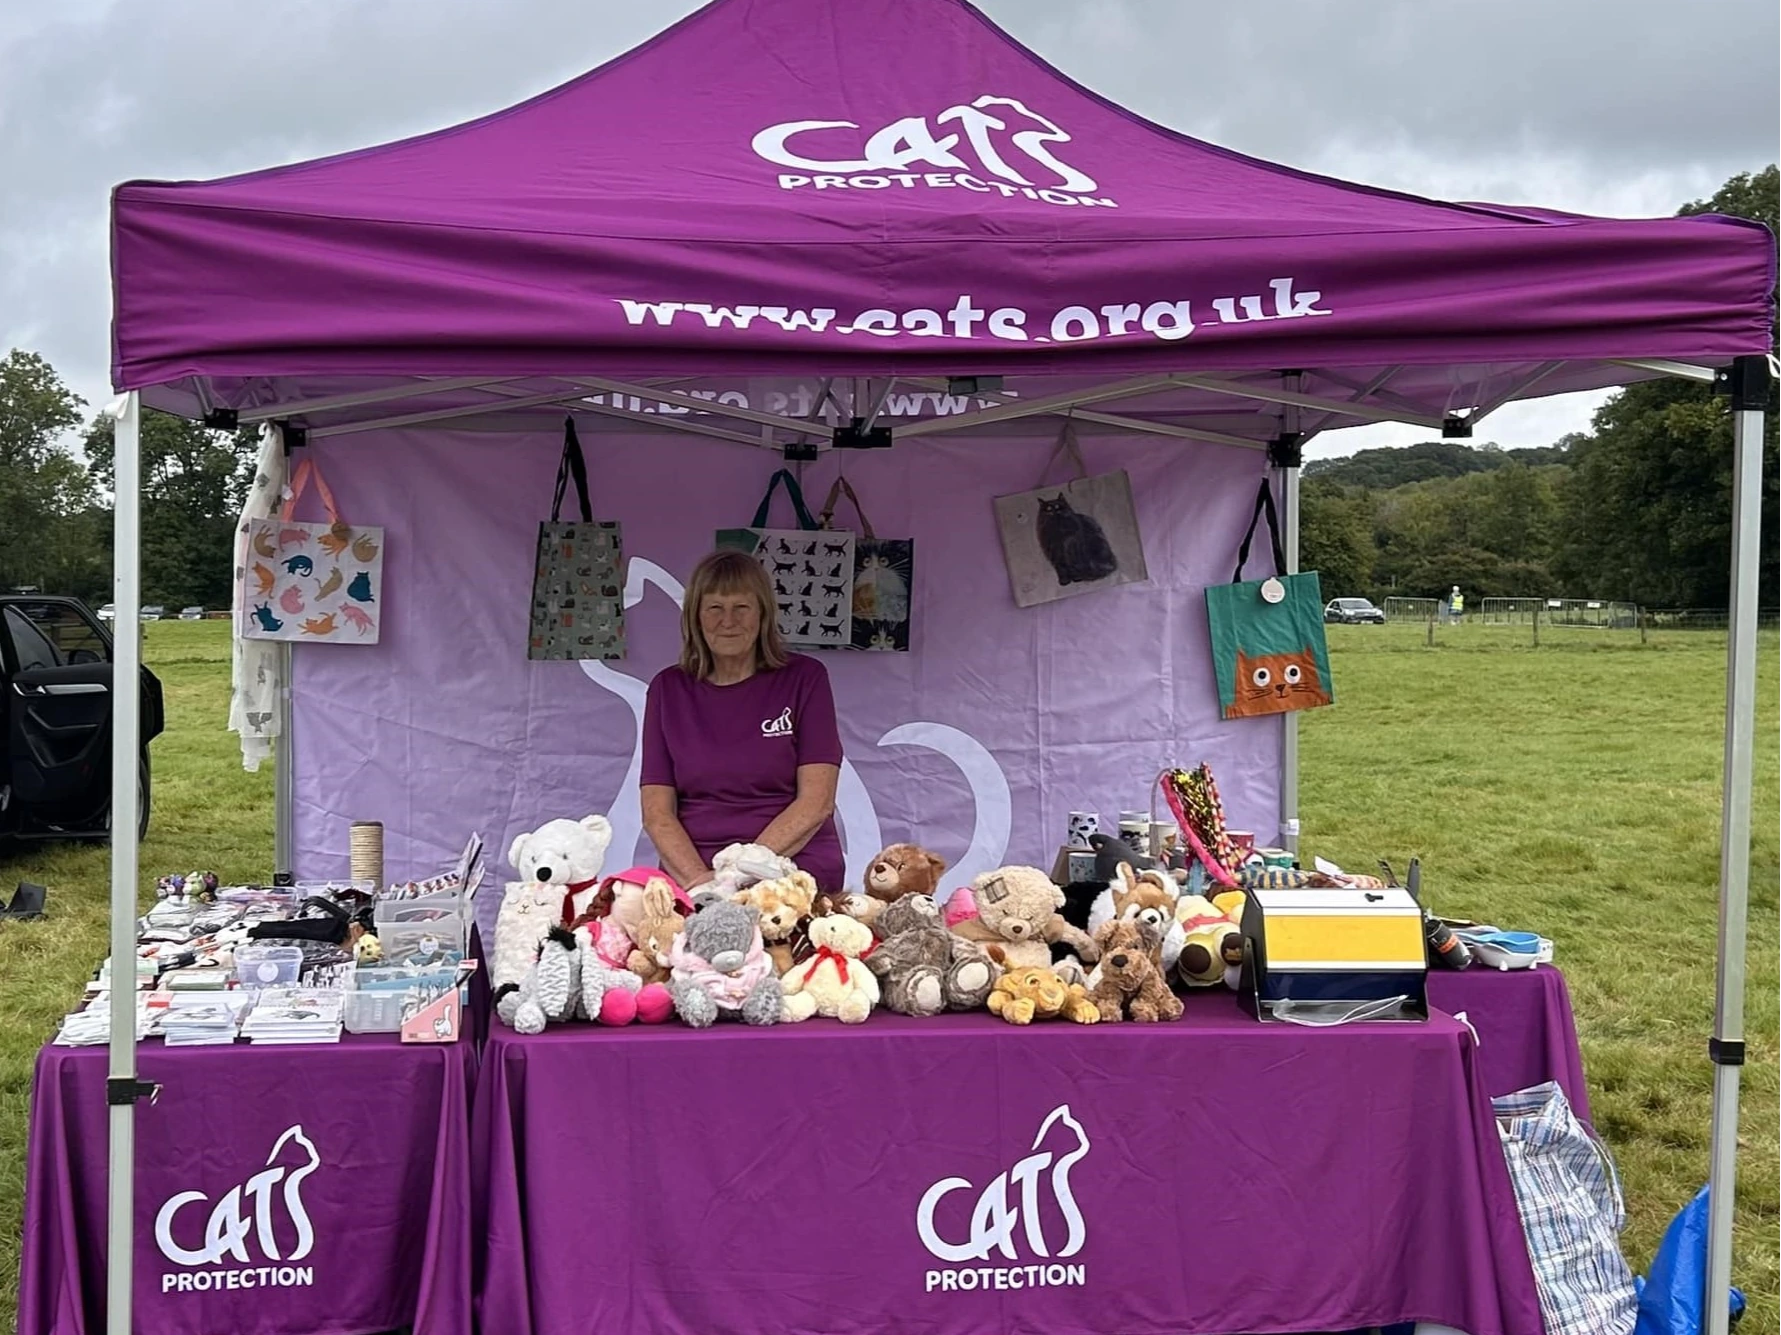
{"type": "Point", "coordinates": [1309, 947]}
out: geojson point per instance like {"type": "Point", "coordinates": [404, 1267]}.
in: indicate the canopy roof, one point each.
{"type": "Point", "coordinates": [883, 188]}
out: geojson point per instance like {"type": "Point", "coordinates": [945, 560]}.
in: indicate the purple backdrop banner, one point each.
{"type": "Point", "coordinates": [977, 743]}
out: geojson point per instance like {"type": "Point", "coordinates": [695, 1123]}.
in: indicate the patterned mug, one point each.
{"type": "Point", "coordinates": [1084, 825]}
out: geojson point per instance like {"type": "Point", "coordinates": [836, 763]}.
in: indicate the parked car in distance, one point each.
{"type": "Point", "coordinates": [55, 721]}
{"type": "Point", "coordinates": [153, 613]}
{"type": "Point", "coordinates": [108, 613]}
{"type": "Point", "coordinates": [191, 614]}
{"type": "Point", "coordinates": [1351, 611]}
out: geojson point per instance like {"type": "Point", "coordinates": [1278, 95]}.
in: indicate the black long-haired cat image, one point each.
{"type": "Point", "coordinates": [1074, 543]}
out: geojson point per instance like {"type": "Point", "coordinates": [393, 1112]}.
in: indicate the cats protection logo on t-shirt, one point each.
{"type": "Point", "coordinates": [994, 146]}
{"type": "Point", "coordinates": [778, 727]}
{"type": "Point", "coordinates": [1009, 1219]}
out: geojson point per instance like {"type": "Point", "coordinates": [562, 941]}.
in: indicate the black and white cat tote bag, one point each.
{"type": "Point", "coordinates": [1076, 537]}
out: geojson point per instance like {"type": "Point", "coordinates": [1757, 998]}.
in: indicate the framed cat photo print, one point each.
{"type": "Point", "coordinates": [1078, 537]}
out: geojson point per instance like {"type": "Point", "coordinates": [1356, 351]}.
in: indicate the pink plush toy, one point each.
{"type": "Point", "coordinates": [607, 931]}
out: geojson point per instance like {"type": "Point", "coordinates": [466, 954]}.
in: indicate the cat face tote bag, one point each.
{"type": "Point", "coordinates": [1268, 647]}
{"type": "Point", "coordinates": [311, 583]}
{"type": "Point", "coordinates": [882, 579]}
{"type": "Point", "coordinates": [811, 570]}
{"type": "Point", "coordinates": [578, 582]}
{"type": "Point", "coordinates": [1070, 539]}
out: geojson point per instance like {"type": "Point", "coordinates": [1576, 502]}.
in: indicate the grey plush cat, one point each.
{"type": "Point", "coordinates": [923, 968]}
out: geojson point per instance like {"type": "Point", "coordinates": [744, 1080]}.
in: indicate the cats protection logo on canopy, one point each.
{"type": "Point", "coordinates": [1009, 1219]}
{"type": "Point", "coordinates": [994, 146]}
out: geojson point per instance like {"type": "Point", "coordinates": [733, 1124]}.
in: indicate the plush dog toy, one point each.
{"type": "Point", "coordinates": [1127, 984]}
{"type": "Point", "coordinates": [1017, 909]}
{"type": "Point", "coordinates": [901, 869]}
{"type": "Point", "coordinates": [1146, 897]}
{"type": "Point", "coordinates": [835, 981]}
{"type": "Point", "coordinates": [784, 904]}
{"type": "Point", "coordinates": [719, 968]}
{"type": "Point", "coordinates": [558, 865]}
{"type": "Point", "coordinates": [922, 968]}
{"type": "Point", "coordinates": [1033, 993]}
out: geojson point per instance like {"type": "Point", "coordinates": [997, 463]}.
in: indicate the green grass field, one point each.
{"type": "Point", "coordinates": [1571, 789]}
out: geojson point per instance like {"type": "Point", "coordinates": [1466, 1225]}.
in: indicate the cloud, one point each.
{"type": "Point", "coordinates": [1566, 103]}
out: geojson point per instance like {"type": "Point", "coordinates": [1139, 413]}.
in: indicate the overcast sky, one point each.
{"type": "Point", "coordinates": [1617, 107]}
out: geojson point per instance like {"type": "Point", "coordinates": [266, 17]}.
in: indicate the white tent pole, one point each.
{"type": "Point", "coordinates": [1285, 456]}
{"type": "Point", "coordinates": [283, 771]}
{"type": "Point", "coordinates": [122, 1090]}
{"type": "Point", "coordinates": [1749, 393]}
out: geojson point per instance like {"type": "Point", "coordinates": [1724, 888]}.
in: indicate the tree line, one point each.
{"type": "Point", "coordinates": [1636, 508]}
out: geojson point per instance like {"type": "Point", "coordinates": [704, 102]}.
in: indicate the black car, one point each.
{"type": "Point", "coordinates": [1349, 611]}
{"type": "Point", "coordinates": [55, 677]}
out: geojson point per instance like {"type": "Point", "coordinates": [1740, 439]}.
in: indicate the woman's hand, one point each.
{"type": "Point", "coordinates": [794, 827]}
{"type": "Point", "coordinates": [661, 822]}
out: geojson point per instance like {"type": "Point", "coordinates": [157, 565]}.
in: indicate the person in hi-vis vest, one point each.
{"type": "Point", "coordinates": [1456, 604]}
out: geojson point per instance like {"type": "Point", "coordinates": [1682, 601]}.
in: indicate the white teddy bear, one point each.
{"type": "Point", "coordinates": [559, 861]}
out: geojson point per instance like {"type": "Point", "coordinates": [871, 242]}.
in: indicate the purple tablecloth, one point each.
{"type": "Point", "coordinates": [304, 1190]}
{"type": "Point", "coordinates": [955, 1176]}
{"type": "Point", "coordinates": [1526, 1034]}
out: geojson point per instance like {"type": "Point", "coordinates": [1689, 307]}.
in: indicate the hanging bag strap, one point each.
{"type": "Point", "coordinates": [1264, 505]}
{"type": "Point", "coordinates": [792, 489]}
{"type": "Point", "coordinates": [841, 488]}
{"type": "Point", "coordinates": [1067, 446]}
{"type": "Point", "coordinates": [571, 465]}
{"type": "Point", "coordinates": [300, 480]}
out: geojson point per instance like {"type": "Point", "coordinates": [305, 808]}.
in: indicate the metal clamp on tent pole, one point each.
{"type": "Point", "coordinates": [856, 435]}
{"type": "Point", "coordinates": [1455, 427]}
{"type": "Point", "coordinates": [121, 1091]}
{"type": "Point", "coordinates": [799, 452]}
{"type": "Point", "coordinates": [293, 437]}
{"type": "Point", "coordinates": [1726, 1051]}
{"type": "Point", "coordinates": [1745, 382]}
{"type": "Point", "coordinates": [222, 419]}
{"type": "Point", "coordinates": [1287, 450]}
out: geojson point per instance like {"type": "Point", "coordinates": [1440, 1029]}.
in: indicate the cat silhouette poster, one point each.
{"type": "Point", "coordinates": [1078, 537]}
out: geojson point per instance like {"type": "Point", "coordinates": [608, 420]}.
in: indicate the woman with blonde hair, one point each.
{"type": "Point", "coordinates": [740, 743]}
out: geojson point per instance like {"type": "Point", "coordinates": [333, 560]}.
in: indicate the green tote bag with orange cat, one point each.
{"type": "Point", "coordinates": [1268, 648]}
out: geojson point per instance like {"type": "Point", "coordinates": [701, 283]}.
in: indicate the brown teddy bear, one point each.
{"type": "Point", "coordinates": [1017, 908]}
{"type": "Point", "coordinates": [924, 969]}
{"type": "Point", "coordinates": [1127, 984]}
{"type": "Point", "coordinates": [784, 905]}
{"type": "Point", "coordinates": [1027, 994]}
{"type": "Point", "coordinates": [901, 869]}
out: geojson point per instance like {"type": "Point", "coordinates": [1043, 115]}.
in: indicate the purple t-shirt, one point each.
{"type": "Point", "coordinates": [732, 754]}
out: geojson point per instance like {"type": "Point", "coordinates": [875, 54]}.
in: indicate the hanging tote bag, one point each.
{"type": "Point", "coordinates": [311, 583]}
{"type": "Point", "coordinates": [883, 579]}
{"type": "Point", "coordinates": [578, 581]}
{"type": "Point", "coordinates": [1268, 649]}
{"type": "Point", "coordinates": [1077, 538]}
{"type": "Point", "coordinates": [811, 571]}
{"type": "Point", "coordinates": [1568, 1194]}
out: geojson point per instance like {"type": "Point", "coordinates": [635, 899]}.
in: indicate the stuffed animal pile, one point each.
{"type": "Point", "coordinates": [759, 942]}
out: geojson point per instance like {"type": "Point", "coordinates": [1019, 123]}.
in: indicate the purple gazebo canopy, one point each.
{"type": "Point", "coordinates": [777, 188]}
